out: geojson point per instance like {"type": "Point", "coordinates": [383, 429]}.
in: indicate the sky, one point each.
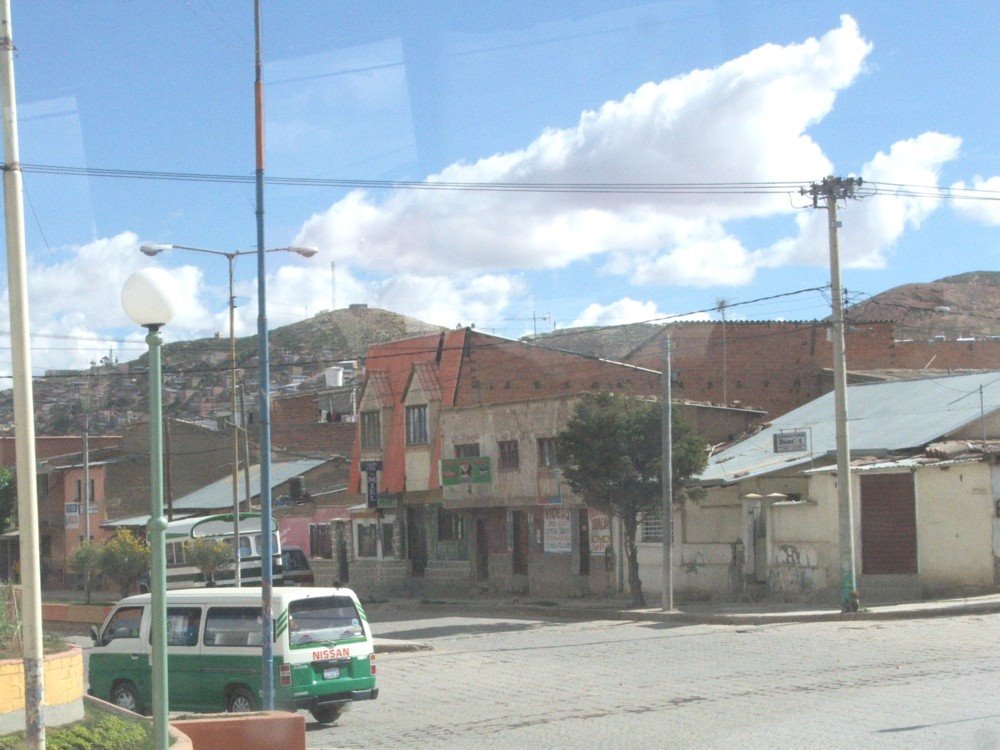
{"type": "Point", "coordinates": [493, 164]}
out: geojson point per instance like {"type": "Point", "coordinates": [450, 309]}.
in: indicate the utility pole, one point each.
{"type": "Point", "coordinates": [667, 475]}
{"type": "Point", "coordinates": [24, 408]}
{"type": "Point", "coordinates": [721, 307]}
{"type": "Point", "coordinates": [830, 191]}
{"type": "Point", "coordinates": [85, 489]}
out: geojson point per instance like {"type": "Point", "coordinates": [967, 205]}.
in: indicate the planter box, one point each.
{"type": "Point", "coordinates": [267, 730]}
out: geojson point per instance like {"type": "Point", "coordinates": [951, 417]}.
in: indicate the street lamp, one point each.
{"type": "Point", "coordinates": [152, 249]}
{"type": "Point", "coordinates": [146, 298]}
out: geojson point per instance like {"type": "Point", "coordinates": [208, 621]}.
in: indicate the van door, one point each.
{"type": "Point", "coordinates": [185, 679]}
{"type": "Point", "coordinates": [119, 661]}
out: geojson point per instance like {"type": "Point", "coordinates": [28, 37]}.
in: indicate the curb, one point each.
{"type": "Point", "coordinates": [774, 618]}
{"type": "Point", "coordinates": [390, 646]}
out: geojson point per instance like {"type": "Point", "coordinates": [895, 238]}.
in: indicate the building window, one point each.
{"type": "Point", "coordinates": [547, 453]}
{"type": "Point", "coordinates": [468, 450]}
{"type": "Point", "coordinates": [371, 430]}
{"type": "Point", "coordinates": [651, 528]}
{"type": "Point", "coordinates": [416, 425]}
{"type": "Point", "coordinates": [449, 526]}
{"type": "Point", "coordinates": [79, 491]}
{"type": "Point", "coordinates": [367, 540]}
{"type": "Point", "coordinates": [508, 455]}
{"type": "Point", "coordinates": [320, 541]}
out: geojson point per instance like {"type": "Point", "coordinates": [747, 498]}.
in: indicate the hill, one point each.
{"type": "Point", "coordinates": [962, 306]}
{"type": "Point", "coordinates": [196, 373]}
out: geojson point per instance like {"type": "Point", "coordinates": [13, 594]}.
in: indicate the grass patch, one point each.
{"type": "Point", "coordinates": [97, 729]}
{"type": "Point", "coordinates": [11, 642]}
{"type": "Point", "coordinates": [543, 603]}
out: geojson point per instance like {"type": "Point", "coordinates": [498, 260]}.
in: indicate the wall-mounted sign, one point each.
{"type": "Point", "coordinates": [465, 471]}
{"type": "Point", "coordinates": [791, 441]}
{"type": "Point", "coordinates": [371, 470]}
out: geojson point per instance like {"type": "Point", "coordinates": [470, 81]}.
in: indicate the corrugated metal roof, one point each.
{"type": "Point", "coordinates": [910, 462]}
{"type": "Point", "coordinates": [882, 418]}
{"type": "Point", "coordinates": [219, 495]}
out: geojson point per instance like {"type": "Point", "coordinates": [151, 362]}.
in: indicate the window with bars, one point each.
{"type": "Point", "coordinates": [651, 529]}
{"type": "Point", "coordinates": [416, 425]}
{"type": "Point", "coordinates": [371, 430]}
{"type": "Point", "coordinates": [509, 459]}
{"type": "Point", "coordinates": [467, 450]}
{"type": "Point", "coordinates": [547, 452]}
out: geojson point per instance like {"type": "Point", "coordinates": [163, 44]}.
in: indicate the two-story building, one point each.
{"type": "Point", "coordinates": [455, 471]}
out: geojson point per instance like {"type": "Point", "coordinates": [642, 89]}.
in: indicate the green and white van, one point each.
{"type": "Point", "coordinates": [323, 651]}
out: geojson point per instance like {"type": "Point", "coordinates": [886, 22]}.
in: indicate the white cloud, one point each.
{"type": "Point", "coordinates": [984, 209]}
{"type": "Point", "coordinates": [873, 224]}
{"type": "Point", "coordinates": [745, 120]}
{"type": "Point", "coordinates": [625, 310]}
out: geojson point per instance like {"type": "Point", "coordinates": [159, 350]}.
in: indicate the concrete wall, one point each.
{"type": "Point", "coordinates": [954, 532]}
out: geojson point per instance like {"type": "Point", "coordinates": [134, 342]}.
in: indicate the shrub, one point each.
{"type": "Point", "coordinates": [209, 556]}
{"type": "Point", "coordinates": [125, 559]}
{"type": "Point", "coordinates": [86, 560]}
{"type": "Point", "coordinates": [97, 730]}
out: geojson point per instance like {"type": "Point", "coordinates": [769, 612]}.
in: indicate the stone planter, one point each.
{"type": "Point", "coordinates": [63, 675]}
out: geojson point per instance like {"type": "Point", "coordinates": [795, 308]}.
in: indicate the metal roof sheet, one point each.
{"type": "Point", "coordinates": [882, 418]}
{"type": "Point", "coordinates": [219, 495]}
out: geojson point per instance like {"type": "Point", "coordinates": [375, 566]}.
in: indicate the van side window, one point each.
{"type": "Point", "coordinates": [124, 624]}
{"type": "Point", "coordinates": [233, 626]}
{"type": "Point", "coordinates": [182, 626]}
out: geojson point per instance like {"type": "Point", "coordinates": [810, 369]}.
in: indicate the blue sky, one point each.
{"type": "Point", "coordinates": [560, 92]}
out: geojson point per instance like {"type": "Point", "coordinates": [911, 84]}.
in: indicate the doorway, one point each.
{"type": "Point", "coordinates": [482, 551]}
{"type": "Point", "coordinates": [519, 528]}
{"type": "Point", "coordinates": [416, 539]}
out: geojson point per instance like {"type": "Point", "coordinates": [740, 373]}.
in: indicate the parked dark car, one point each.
{"type": "Point", "coordinates": [295, 567]}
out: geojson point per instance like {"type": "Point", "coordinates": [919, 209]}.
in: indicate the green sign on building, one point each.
{"type": "Point", "coordinates": [465, 471]}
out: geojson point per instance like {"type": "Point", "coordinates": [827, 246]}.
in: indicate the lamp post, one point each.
{"type": "Point", "coordinates": [147, 301]}
{"type": "Point", "coordinates": [152, 249]}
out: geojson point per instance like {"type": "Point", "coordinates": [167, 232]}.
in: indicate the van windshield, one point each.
{"type": "Point", "coordinates": [323, 620]}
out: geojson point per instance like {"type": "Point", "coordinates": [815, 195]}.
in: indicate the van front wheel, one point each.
{"type": "Point", "coordinates": [124, 695]}
{"type": "Point", "coordinates": [326, 713]}
{"type": "Point", "coordinates": [239, 700]}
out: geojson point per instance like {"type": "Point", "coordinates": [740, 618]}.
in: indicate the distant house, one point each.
{"type": "Point", "coordinates": [925, 481]}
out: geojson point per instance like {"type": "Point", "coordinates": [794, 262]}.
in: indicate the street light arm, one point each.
{"type": "Point", "coordinates": [153, 248]}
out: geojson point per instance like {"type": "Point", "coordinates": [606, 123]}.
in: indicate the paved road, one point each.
{"type": "Point", "coordinates": [527, 683]}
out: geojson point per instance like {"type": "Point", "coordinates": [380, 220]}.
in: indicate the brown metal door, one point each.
{"type": "Point", "coordinates": [888, 524]}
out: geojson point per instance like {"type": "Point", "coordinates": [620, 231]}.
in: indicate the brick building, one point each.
{"type": "Point", "coordinates": [464, 395]}
{"type": "Point", "coordinates": [778, 366]}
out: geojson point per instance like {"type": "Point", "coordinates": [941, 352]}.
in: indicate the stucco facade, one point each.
{"type": "Point", "coordinates": [956, 507]}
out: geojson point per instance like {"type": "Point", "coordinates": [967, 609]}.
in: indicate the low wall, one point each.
{"type": "Point", "coordinates": [63, 680]}
{"type": "Point", "coordinates": [86, 614]}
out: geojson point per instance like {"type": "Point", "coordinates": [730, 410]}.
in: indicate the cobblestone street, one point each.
{"type": "Point", "coordinates": [493, 682]}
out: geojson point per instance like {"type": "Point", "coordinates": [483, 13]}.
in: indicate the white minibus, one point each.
{"type": "Point", "coordinates": [323, 654]}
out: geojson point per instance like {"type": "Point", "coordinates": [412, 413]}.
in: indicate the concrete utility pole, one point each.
{"type": "Point", "coordinates": [24, 409]}
{"type": "Point", "coordinates": [831, 190]}
{"type": "Point", "coordinates": [667, 473]}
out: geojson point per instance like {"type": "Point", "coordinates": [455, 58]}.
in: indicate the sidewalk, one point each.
{"type": "Point", "coordinates": [719, 613]}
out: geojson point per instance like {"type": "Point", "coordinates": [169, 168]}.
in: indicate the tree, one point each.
{"type": "Point", "coordinates": [8, 499]}
{"type": "Point", "coordinates": [209, 556]}
{"type": "Point", "coordinates": [86, 560]}
{"type": "Point", "coordinates": [610, 452]}
{"type": "Point", "coordinates": [125, 559]}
